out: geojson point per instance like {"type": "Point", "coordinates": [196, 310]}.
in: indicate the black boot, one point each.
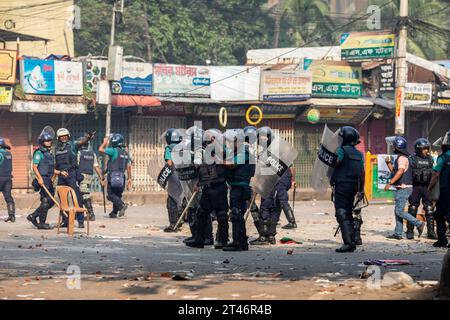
{"type": "Point", "coordinates": [222, 230]}
{"type": "Point", "coordinates": [123, 209]}
{"type": "Point", "coordinates": [262, 227]}
{"type": "Point", "coordinates": [11, 212]}
{"type": "Point", "coordinates": [357, 233]}
{"type": "Point", "coordinates": [42, 222]}
{"type": "Point", "coordinates": [431, 233]}
{"type": "Point", "coordinates": [289, 216]}
{"type": "Point", "coordinates": [347, 229]}
{"type": "Point", "coordinates": [33, 218]}
{"type": "Point", "coordinates": [88, 205]}
{"type": "Point", "coordinates": [412, 210]}
{"type": "Point", "coordinates": [272, 231]}
{"type": "Point", "coordinates": [239, 233]}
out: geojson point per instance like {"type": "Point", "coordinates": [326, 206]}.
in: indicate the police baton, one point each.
{"type": "Point", "coordinates": [184, 211]}
{"type": "Point", "coordinates": [250, 207]}
{"type": "Point", "coordinates": [293, 198]}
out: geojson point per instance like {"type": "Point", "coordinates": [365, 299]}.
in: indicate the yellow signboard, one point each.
{"type": "Point", "coordinates": [367, 45]}
{"type": "Point", "coordinates": [8, 66]}
{"type": "Point", "coordinates": [6, 95]}
{"type": "Point", "coordinates": [336, 79]}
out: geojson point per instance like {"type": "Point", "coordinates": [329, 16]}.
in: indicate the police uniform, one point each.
{"type": "Point", "coordinates": [421, 176]}
{"type": "Point", "coordinates": [6, 181]}
{"type": "Point", "coordinates": [238, 177]}
{"type": "Point", "coordinates": [118, 162]}
{"type": "Point", "coordinates": [66, 160]}
{"type": "Point", "coordinates": [45, 162]}
{"type": "Point", "coordinates": [214, 198]}
{"type": "Point", "coordinates": [442, 213]}
{"type": "Point", "coordinates": [87, 160]}
{"type": "Point", "coordinates": [346, 184]}
{"type": "Point", "coordinates": [172, 206]}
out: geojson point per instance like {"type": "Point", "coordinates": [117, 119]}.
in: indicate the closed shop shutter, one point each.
{"type": "Point", "coordinates": [15, 129]}
{"type": "Point", "coordinates": [147, 150]}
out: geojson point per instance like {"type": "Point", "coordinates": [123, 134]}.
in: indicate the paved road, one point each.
{"type": "Point", "coordinates": [132, 257]}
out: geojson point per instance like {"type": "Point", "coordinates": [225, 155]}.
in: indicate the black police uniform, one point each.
{"type": "Point", "coordinates": [6, 184]}
{"type": "Point", "coordinates": [422, 168]}
{"type": "Point", "coordinates": [66, 160]}
{"type": "Point", "coordinates": [46, 168]}
{"type": "Point", "coordinates": [86, 167]}
{"type": "Point", "coordinates": [119, 164]}
{"type": "Point", "coordinates": [240, 193]}
{"type": "Point", "coordinates": [345, 181]}
{"type": "Point", "coordinates": [214, 198]}
{"type": "Point", "coordinates": [442, 213]}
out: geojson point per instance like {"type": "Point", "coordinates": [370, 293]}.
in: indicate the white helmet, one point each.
{"type": "Point", "coordinates": [62, 132]}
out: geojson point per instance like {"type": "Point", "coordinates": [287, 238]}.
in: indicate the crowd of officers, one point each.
{"type": "Point", "coordinates": [223, 191]}
{"type": "Point", "coordinates": [73, 163]}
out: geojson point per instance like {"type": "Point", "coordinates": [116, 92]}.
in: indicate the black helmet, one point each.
{"type": "Point", "coordinates": [401, 145]}
{"type": "Point", "coordinates": [265, 132]}
{"type": "Point", "coordinates": [3, 144]}
{"type": "Point", "coordinates": [350, 136]}
{"type": "Point", "coordinates": [173, 136]}
{"type": "Point", "coordinates": [421, 144]}
{"type": "Point", "coordinates": [250, 133]}
{"type": "Point", "coordinates": [117, 140]}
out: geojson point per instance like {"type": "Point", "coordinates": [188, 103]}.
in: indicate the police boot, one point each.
{"type": "Point", "coordinates": [222, 230]}
{"type": "Point", "coordinates": [33, 217]}
{"type": "Point", "coordinates": [272, 231]}
{"type": "Point", "coordinates": [262, 226]}
{"type": "Point", "coordinates": [412, 210]}
{"type": "Point", "coordinates": [289, 216]}
{"type": "Point", "coordinates": [191, 222]}
{"type": "Point", "coordinates": [347, 230]}
{"type": "Point", "coordinates": [431, 233]}
{"type": "Point", "coordinates": [239, 234]}
{"type": "Point", "coordinates": [42, 224]}
{"type": "Point", "coordinates": [11, 212]}
{"type": "Point", "coordinates": [357, 234]}
{"type": "Point", "coordinates": [88, 205]}
{"type": "Point", "coordinates": [209, 238]}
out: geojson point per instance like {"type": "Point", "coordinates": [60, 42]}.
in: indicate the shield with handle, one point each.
{"type": "Point", "coordinates": [326, 159]}
{"type": "Point", "coordinates": [271, 164]}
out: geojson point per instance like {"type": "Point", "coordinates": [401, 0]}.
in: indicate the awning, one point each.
{"type": "Point", "coordinates": [331, 102]}
{"type": "Point", "coordinates": [389, 104]}
{"type": "Point", "coordinates": [134, 101]}
{"type": "Point", "coordinates": [6, 35]}
{"type": "Point", "coordinates": [197, 100]}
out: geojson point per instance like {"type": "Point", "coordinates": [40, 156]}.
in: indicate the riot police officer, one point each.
{"type": "Point", "coordinates": [87, 162]}
{"type": "Point", "coordinates": [347, 181]}
{"type": "Point", "coordinates": [119, 162]}
{"type": "Point", "coordinates": [66, 161]}
{"type": "Point", "coordinates": [422, 165]}
{"type": "Point", "coordinates": [402, 179]}
{"type": "Point", "coordinates": [239, 173]}
{"type": "Point", "coordinates": [6, 179]}
{"type": "Point", "coordinates": [211, 174]}
{"type": "Point", "coordinates": [441, 172]}
{"type": "Point", "coordinates": [173, 137]}
{"type": "Point", "coordinates": [44, 170]}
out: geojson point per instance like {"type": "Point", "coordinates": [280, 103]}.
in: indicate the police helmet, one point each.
{"type": "Point", "coordinates": [117, 140]}
{"type": "Point", "coordinates": [45, 137]}
{"type": "Point", "coordinates": [210, 136]}
{"type": "Point", "coordinates": [173, 136]}
{"type": "Point", "coordinates": [421, 144]}
{"type": "Point", "coordinates": [250, 133]}
{"type": "Point", "coordinates": [400, 145]}
{"type": "Point", "coordinates": [3, 144]}
{"type": "Point", "coordinates": [350, 136]}
{"type": "Point", "coordinates": [265, 132]}
{"type": "Point", "coordinates": [62, 132]}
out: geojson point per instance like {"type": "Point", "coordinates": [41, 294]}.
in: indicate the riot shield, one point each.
{"type": "Point", "coordinates": [271, 164]}
{"type": "Point", "coordinates": [183, 159]}
{"type": "Point", "coordinates": [390, 144]}
{"type": "Point", "coordinates": [326, 160]}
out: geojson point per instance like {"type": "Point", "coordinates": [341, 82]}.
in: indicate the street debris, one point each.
{"type": "Point", "coordinates": [385, 263]}
{"type": "Point", "coordinates": [289, 240]}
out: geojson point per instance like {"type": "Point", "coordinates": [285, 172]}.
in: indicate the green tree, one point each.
{"type": "Point", "coordinates": [181, 31]}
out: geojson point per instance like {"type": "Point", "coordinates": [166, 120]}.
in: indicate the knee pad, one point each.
{"type": "Point", "coordinates": [342, 215]}
{"type": "Point", "coordinates": [45, 204]}
{"type": "Point", "coordinates": [222, 217]}
{"type": "Point", "coordinates": [236, 215]}
{"type": "Point", "coordinates": [412, 210]}
{"type": "Point", "coordinates": [285, 206]}
{"type": "Point", "coordinates": [429, 210]}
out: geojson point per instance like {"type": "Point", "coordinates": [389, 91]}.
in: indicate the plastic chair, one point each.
{"type": "Point", "coordinates": [64, 194]}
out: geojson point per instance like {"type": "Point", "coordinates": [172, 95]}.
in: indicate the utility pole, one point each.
{"type": "Point", "coordinates": [117, 8]}
{"type": "Point", "coordinates": [147, 31]}
{"type": "Point", "coordinates": [401, 69]}
{"type": "Point", "coordinates": [278, 14]}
